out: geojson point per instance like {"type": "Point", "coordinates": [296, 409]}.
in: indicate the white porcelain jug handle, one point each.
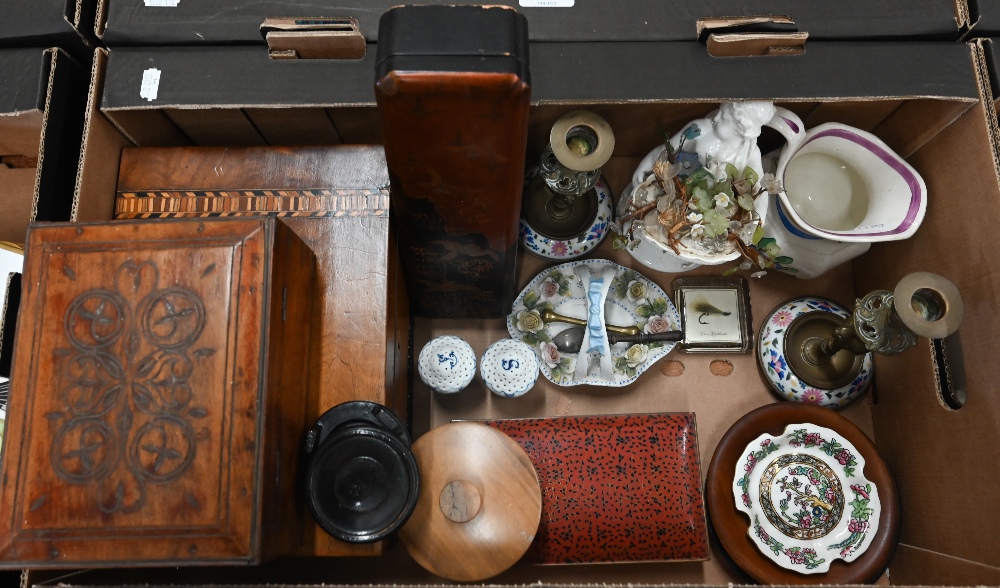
{"type": "Point", "coordinates": [790, 126]}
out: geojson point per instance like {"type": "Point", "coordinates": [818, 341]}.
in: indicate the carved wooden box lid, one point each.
{"type": "Point", "coordinates": [139, 372]}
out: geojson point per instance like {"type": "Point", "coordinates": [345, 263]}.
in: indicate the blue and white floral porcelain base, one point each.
{"type": "Point", "coordinates": [509, 368]}
{"type": "Point", "coordinates": [447, 364]}
{"type": "Point", "coordinates": [807, 498]}
{"type": "Point", "coordinates": [563, 250]}
{"type": "Point", "coordinates": [772, 356]}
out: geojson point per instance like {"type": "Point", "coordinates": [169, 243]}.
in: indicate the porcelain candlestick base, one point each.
{"type": "Point", "coordinates": [833, 382]}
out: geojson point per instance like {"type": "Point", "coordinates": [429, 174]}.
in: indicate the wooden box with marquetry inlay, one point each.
{"type": "Point", "coordinates": [158, 394]}
{"type": "Point", "coordinates": [336, 199]}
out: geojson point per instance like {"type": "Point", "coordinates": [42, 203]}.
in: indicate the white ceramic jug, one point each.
{"type": "Point", "coordinates": [796, 252]}
{"type": "Point", "coordinates": [852, 186]}
{"type": "Point", "coordinates": [845, 184]}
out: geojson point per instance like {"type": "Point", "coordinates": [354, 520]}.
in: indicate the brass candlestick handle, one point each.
{"type": "Point", "coordinates": [884, 322]}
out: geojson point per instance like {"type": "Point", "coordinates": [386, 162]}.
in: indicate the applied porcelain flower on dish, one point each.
{"type": "Point", "coordinates": [807, 498]}
{"type": "Point", "coordinates": [773, 362]}
{"type": "Point", "coordinates": [632, 300]}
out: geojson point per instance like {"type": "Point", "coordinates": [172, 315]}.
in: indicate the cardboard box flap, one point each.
{"type": "Point", "coordinates": [233, 77]}
{"type": "Point", "coordinates": [991, 51]}
{"type": "Point", "coordinates": [41, 113]}
{"type": "Point", "coordinates": [135, 22]}
{"type": "Point", "coordinates": [984, 18]}
{"type": "Point", "coordinates": [106, 145]}
{"type": "Point", "coordinates": [685, 71]}
{"type": "Point", "coordinates": [64, 109]}
{"type": "Point", "coordinates": [49, 23]}
{"type": "Point", "coordinates": [40, 18]}
{"type": "Point", "coordinates": [23, 78]}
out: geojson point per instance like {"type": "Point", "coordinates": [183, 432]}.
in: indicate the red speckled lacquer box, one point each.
{"type": "Point", "coordinates": [615, 488]}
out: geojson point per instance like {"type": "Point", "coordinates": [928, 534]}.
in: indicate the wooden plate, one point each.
{"type": "Point", "coordinates": [479, 504]}
{"type": "Point", "coordinates": [731, 526]}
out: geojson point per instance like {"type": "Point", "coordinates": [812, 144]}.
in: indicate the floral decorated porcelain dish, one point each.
{"type": "Point", "coordinates": [807, 498]}
{"type": "Point", "coordinates": [772, 356]}
{"type": "Point", "coordinates": [565, 249]}
{"type": "Point", "coordinates": [631, 299]}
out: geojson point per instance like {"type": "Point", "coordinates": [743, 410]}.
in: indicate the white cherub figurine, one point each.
{"type": "Point", "coordinates": [729, 134]}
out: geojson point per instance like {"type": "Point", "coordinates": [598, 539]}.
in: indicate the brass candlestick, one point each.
{"type": "Point", "coordinates": [824, 354]}
{"type": "Point", "coordinates": [566, 206]}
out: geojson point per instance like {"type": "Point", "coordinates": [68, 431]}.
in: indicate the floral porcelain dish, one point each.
{"type": "Point", "coordinates": [565, 249]}
{"type": "Point", "coordinates": [807, 498]}
{"type": "Point", "coordinates": [631, 299]}
{"type": "Point", "coordinates": [772, 357]}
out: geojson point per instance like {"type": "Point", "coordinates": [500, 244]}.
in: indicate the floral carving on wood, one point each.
{"type": "Point", "coordinates": [127, 406]}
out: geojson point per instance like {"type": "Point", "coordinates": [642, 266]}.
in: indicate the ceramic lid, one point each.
{"type": "Point", "coordinates": [479, 506]}
{"type": "Point", "coordinates": [509, 368]}
{"type": "Point", "coordinates": [447, 364]}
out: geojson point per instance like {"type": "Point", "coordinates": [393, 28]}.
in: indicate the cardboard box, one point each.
{"type": "Point", "coordinates": [984, 18]}
{"type": "Point", "coordinates": [173, 22]}
{"type": "Point", "coordinates": [67, 24]}
{"type": "Point", "coordinates": [43, 95]}
{"type": "Point", "coordinates": [929, 102]}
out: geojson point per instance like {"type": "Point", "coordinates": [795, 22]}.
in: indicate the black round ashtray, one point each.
{"type": "Point", "coordinates": [361, 479]}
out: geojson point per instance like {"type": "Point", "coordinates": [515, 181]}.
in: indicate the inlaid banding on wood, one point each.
{"type": "Point", "coordinates": [312, 203]}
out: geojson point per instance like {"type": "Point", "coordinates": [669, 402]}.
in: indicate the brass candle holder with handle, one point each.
{"type": "Point", "coordinates": [813, 350]}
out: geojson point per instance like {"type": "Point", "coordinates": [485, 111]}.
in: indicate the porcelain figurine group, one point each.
{"type": "Point", "coordinates": [822, 200]}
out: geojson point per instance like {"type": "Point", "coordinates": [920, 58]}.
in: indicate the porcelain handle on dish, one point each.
{"type": "Point", "coordinates": [595, 337]}
{"type": "Point", "coordinates": [792, 129]}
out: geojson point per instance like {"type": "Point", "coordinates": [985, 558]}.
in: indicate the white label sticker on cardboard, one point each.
{"type": "Point", "coordinates": [546, 3]}
{"type": "Point", "coordinates": [150, 84]}
{"type": "Point", "coordinates": [164, 3]}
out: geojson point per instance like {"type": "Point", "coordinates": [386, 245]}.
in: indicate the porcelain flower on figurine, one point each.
{"type": "Point", "coordinates": [699, 202]}
{"type": "Point", "coordinates": [770, 184]}
{"type": "Point", "coordinates": [549, 289]}
{"type": "Point", "coordinates": [550, 354]}
{"type": "Point", "coordinates": [704, 212]}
